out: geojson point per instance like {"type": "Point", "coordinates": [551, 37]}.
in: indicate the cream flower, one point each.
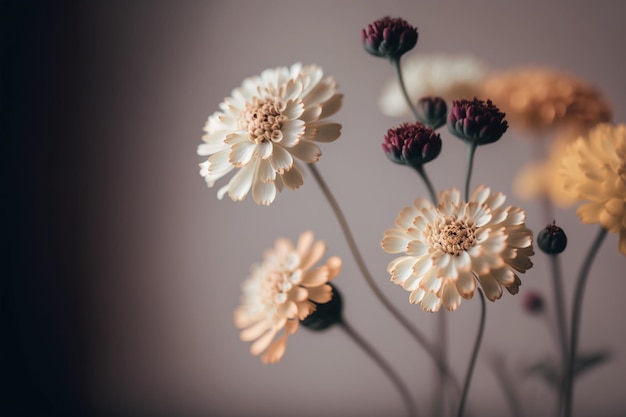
{"type": "Point", "coordinates": [449, 246]}
{"type": "Point", "coordinates": [263, 125]}
{"type": "Point", "coordinates": [446, 76]}
{"type": "Point", "coordinates": [594, 168]}
{"type": "Point", "coordinates": [539, 99]}
{"type": "Point", "coordinates": [278, 294]}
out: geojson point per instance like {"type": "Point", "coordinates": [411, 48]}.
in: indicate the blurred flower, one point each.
{"type": "Point", "coordinates": [263, 125]}
{"type": "Point", "coordinates": [282, 290]}
{"type": "Point", "coordinates": [432, 111]}
{"type": "Point", "coordinates": [411, 144]}
{"type": "Point", "coordinates": [533, 302]}
{"type": "Point", "coordinates": [447, 76]}
{"type": "Point", "coordinates": [541, 179]}
{"type": "Point", "coordinates": [325, 314]}
{"type": "Point", "coordinates": [389, 37]}
{"type": "Point", "coordinates": [552, 239]}
{"type": "Point", "coordinates": [537, 99]}
{"type": "Point", "coordinates": [476, 121]}
{"type": "Point", "coordinates": [594, 168]}
{"type": "Point", "coordinates": [450, 245]}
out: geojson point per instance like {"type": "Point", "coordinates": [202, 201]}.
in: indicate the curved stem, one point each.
{"type": "Point", "coordinates": [576, 312]}
{"type": "Point", "coordinates": [471, 149]}
{"type": "Point", "coordinates": [470, 368]}
{"type": "Point", "coordinates": [431, 190]}
{"type": "Point", "coordinates": [376, 357]}
{"type": "Point", "coordinates": [559, 306]}
{"type": "Point", "coordinates": [395, 63]}
{"type": "Point", "coordinates": [419, 337]}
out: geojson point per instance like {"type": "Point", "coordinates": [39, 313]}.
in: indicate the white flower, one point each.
{"type": "Point", "coordinates": [279, 291]}
{"type": "Point", "coordinates": [263, 125]}
{"type": "Point", "coordinates": [449, 246]}
{"type": "Point", "coordinates": [447, 76]}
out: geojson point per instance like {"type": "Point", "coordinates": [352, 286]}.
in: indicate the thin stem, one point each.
{"type": "Point", "coordinates": [576, 312]}
{"type": "Point", "coordinates": [395, 63]}
{"type": "Point", "coordinates": [376, 357]}
{"type": "Point", "coordinates": [431, 190]}
{"type": "Point", "coordinates": [419, 337]}
{"type": "Point", "coordinates": [470, 368]}
{"type": "Point", "coordinates": [559, 306]}
{"type": "Point", "coordinates": [471, 149]}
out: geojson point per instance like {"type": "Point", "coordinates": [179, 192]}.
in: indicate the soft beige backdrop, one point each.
{"type": "Point", "coordinates": [167, 257]}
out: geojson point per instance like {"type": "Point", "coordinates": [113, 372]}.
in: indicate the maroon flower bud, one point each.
{"type": "Point", "coordinates": [533, 302]}
{"type": "Point", "coordinates": [476, 121]}
{"type": "Point", "coordinates": [389, 38]}
{"type": "Point", "coordinates": [432, 111]}
{"type": "Point", "coordinates": [411, 144]}
{"type": "Point", "coordinates": [552, 239]}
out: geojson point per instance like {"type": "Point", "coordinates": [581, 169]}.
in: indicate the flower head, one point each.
{"type": "Point", "coordinates": [267, 122]}
{"type": "Point", "coordinates": [447, 247]}
{"type": "Point", "coordinates": [389, 37]}
{"type": "Point", "coordinates": [432, 111]}
{"type": "Point", "coordinates": [533, 302]}
{"type": "Point", "coordinates": [594, 169]}
{"type": "Point", "coordinates": [448, 76]}
{"type": "Point", "coordinates": [411, 144]}
{"type": "Point", "coordinates": [282, 290]}
{"type": "Point", "coordinates": [476, 121]}
{"type": "Point", "coordinates": [540, 99]}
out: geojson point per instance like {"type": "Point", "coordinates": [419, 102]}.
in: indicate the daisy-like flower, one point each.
{"type": "Point", "coordinates": [540, 99]}
{"type": "Point", "coordinates": [447, 76]}
{"type": "Point", "coordinates": [281, 291]}
{"type": "Point", "coordinates": [594, 168]}
{"type": "Point", "coordinates": [448, 247]}
{"type": "Point", "coordinates": [265, 123]}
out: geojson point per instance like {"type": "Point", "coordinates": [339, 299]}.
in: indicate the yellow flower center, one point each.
{"type": "Point", "coordinates": [263, 119]}
{"type": "Point", "coordinates": [452, 235]}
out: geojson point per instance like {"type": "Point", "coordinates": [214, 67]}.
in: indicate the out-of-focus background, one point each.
{"type": "Point", "coordinates": [124, 269]}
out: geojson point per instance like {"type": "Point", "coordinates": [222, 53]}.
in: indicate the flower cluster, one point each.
{"type": "Point", "coordinates": [389, 37]}
{"type": "Point", "coordinates": [282, 290]}
{"type": "Point", "coordinates": [411, 144]}
{"type": "Point", "coordinates": [476, 121]}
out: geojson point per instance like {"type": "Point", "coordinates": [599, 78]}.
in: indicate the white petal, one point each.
{"type": "Point", "coordinates": [293, 130]}
{"type": "Point", "coordinates": [265, 171]}
{"type": "Point", "coordinates": [332, 106]}
{"type": "Point", "coordinates": [263, 193]}
{"type": "Point", "coordinates": [292, 179]}
{"type": "Point", "coordinates": [241, 153]}
{"type": "Point", "coordinates": [306, 151]}
{"type": "Point", "coordinates": [326, 132]}
{"type": "Point", "coordinates": [240, 183]}
{"type": "Point", "coordinates": [281, 159]}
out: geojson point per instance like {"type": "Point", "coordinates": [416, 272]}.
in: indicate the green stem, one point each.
{"type": "Point", "coordinates": [559, 306]}
{"type": "Point", "coordinates": [387, 369]}
{"type": "Point", "coordinates": [470, 368]}
{"type": "Point", "coordinates": [431, 190]}
{"type": "Point", "coordinates": [395, 63]}
{"type": "Point", "coordinates": [419, 337]}
{"type": "Point", "coordinates": [471, 149]}
{"type": "Point", "coordinates": [576, 312]}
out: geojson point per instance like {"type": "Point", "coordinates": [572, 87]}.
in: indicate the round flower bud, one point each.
{"type": "Point", "coordinates": [533, 302]}
{"type": "Point", "coordinates": [432, 111]}
{"type": "Point", "coordinates": [326, 314]}
{"type": "Point", "coordinates": [476, 121]}
{"type": "Point", "coordinates": [552, 239]}
{"type": "Point", "coordinates": [389, 38]}
{"type": "Point", "coordinates": [411, 144]}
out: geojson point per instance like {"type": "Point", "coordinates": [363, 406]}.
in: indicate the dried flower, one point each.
{"type": "Point", "coordinates": [389, 37]}
{"type": "Point", "coordinates": [432, 111]}
{"type": "Point", "coordinates": [476, 121]}
{"type": "Point", "coordinates": [539, 99]}
{"type": "Point", "coordinates": [281, 291]}
{"type": "Point", "coordinates": [594, 169]}
{"type": "Point", "coordinates": [448, 246]}
{"type": "Point", "coordinates": [266, 123]}
{"type": "Point", "coordinates": [552, 239]}
{"type": "Point", "coordinates": [411, 144]}
{"type": "Point", "coordinates": [447, 76]}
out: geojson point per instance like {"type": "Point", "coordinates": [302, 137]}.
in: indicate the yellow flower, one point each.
{"type": "Point", "coordinates": [539, 99]}
{"type": "Point", "coordinates": [594, 169]}
{"type": "Point", "coordinates": [279, 291]}
{"type": "Point", "coordinates": [449, 246]}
